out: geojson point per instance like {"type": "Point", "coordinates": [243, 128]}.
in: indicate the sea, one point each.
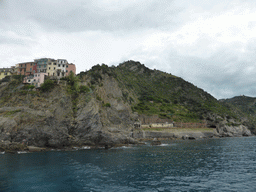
{"type": "Point", "coordinates": [225, 164]}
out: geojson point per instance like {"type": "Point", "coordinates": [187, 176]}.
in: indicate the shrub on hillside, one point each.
{"type": "Point", "coordinates": [84, 89]}
{"type": "Point", "coordinates": [107, 105]}
{"type": "Point", "coordinates": [47, 85]}
{"type": "Point", "coordinates": [27, 87]}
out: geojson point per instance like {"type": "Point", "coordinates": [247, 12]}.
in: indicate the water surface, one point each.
{"type": "Point", "coordinates": [227, 164]}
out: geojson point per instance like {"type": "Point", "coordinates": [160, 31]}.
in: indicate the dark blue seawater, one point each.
{"type": "Point", "coordinates": [227, 164]}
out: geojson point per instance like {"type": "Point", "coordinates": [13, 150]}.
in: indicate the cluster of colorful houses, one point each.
{"type": "Point", "coordinates": [35, 72]}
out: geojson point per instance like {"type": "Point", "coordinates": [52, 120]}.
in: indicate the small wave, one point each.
{"type": "Point", "coordinates": [123, 147]}
{"type": "Point", "coordinates": [2, 152]}
{"type": "Point", "coordinates": [166, 144]}
{"type": "Point", "coordinates": [86, 147]}
{"type": "Point", "coordinates": [21, 152]}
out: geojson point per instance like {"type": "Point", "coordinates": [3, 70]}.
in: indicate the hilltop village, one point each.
{"type": "Point", "coordinates": [34, 73]}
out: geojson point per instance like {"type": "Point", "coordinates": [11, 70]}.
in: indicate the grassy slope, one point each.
{"type": "Point", "coordinates": [172, 96]}
{"type": "Point", "coordinates": [244, 107]}
{"type": "Point", "coordinates": [152, 92]}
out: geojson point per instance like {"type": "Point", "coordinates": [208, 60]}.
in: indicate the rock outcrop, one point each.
{"type": "Point", "coordinates": [233, 131]}
{"type": "Point", "coordinates": [50, 119]}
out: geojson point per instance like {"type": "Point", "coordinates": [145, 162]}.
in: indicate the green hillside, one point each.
{"type": "Point", "coordinates": [153, 92]}
{"type": "Point", "coordinates": [244, 107]}
{"type": "Point", "coordinates": [245, 103]}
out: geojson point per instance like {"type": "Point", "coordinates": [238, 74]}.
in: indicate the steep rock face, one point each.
{"type": "Point", "coordinates": [40, 120]}
{"type": "Point", "coordinates": [233, 131]}
{"type": "Point", "coordinates": [50, 120]}
{"type": "Point", "coordinates": [101, 124]}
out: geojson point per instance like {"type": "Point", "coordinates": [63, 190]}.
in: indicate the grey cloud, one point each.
{"type": "Point", "coordinates": [87, 15]}
{"type": "Point", "coordinates": [223, 75]}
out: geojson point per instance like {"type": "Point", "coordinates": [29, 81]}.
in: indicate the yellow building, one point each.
{"type": "Point", "coordinates": [5, 72]}
{"type": "Point", "coordinates": [52, 68]}
{"type": "Point", "coordinates": [57, 68]}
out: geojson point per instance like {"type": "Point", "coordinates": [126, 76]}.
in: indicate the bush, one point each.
{"type": "Point", "coordinates": [98, 98]}
{"type": "Point", "coordinates": [84, 89]}
{"type": "Point", "coordinates": [47, 85]}
{"type": "Point", "coordinates": [27, 87]}
{"type": "Point", "coordinates": [107, 105]}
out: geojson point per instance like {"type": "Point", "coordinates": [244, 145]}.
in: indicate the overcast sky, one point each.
{"type": "Point", "coordinates": [211, 44]}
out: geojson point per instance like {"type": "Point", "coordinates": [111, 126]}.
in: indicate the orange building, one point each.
{"type": "Point", "coordinates": [26, 68]}
{"type": "Point", "coordinates": [70, 67]}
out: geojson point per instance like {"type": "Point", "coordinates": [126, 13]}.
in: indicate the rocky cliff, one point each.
{"type": "Point", "coordinates": [99, 107]}
{"type": "Point", "coordinates": [49, 119]}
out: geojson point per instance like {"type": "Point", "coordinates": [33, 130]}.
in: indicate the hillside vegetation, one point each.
{"type": "Point", "coordinates": [153, 92]}
{"type": "Point", "coordinates": [245, 107]}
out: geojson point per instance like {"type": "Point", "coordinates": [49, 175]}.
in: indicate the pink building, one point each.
{"type": "Point", "coordinates": [70, 67]}
{"type": "Point", "coordinates": [38, 79]}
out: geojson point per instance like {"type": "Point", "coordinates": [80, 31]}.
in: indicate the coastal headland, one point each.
{"type": "Point", "coordinates": [108, 106]}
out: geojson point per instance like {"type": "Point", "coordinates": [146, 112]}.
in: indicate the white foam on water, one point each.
{"type": "Point", "coordinates": [166, 144]}
{"type": "Point", "coordinates": [123, 147]}
{"type": "Point", "coordinates": [86, 147]}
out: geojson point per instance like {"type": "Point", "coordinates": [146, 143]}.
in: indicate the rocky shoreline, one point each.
{"type": "Point", "coordinates": [138, 137]}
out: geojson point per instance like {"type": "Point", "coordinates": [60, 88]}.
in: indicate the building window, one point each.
{"type": "Point", "coordinates": [66, 66]}
{"type": "Point", "coordinates": [66, 71]}
{"type": "Point", "coordinates": [58, 65]}
{"type": "Point", "coordinates": [30, 69]}
{"type": "Point", "coordinates": [54, 68]}
{"type": "Point", "coordinates": [31, 64]}
{"type": "Point", "coordinates": [63, 65]}
{"type": "Point", "coordinates": [49, 67]}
